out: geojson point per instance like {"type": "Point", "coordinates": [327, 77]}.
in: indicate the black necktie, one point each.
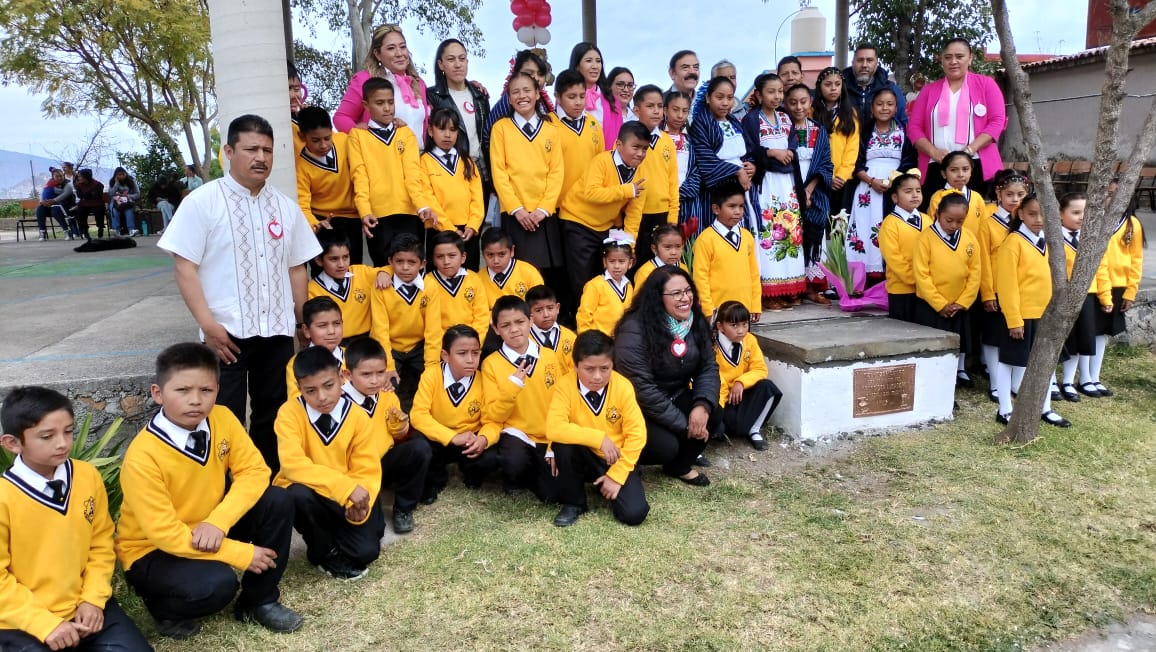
{"type": "Point", "coordinates": [733, 238]}
{"type": "Point", "coordinates": [57, 489]}
{"type": "Point", "coordinates": [529, 361]}
{"type": "Point", "coordinates": [528, 129]}
{"type": "Point", "coordinates": [625, 173]}
{"type": "Point", "coordinates": [572, 122]}
{"type": "Point", "coordinates": [913, 220]}
{"type": "Point", "coordinates": [449, 160]}
{"type": "Point", "coordinates": [500, 278]}
{"type": "Point", "coordinates": [383, 133]}
{"type": "Point", "coordinates": [341, 285]}
{"type": "Point", "coordinates": [369, 403]}
{"type": "Point", "coordinates": [953, 239]}
{"type": "Point", "coordinates": [325, 424]}
{"type": "Point", "coordinates": [457, 391]}
{"type": "Point", "coordinates": [1075, 239]}
{"type": "Point", "coordinates": [549, 339]}
{"type": "Point", "coordinates": [198, 443]}
{"type": "Point", "coordinates": [736, 349]}
{"type": "Point", "coordinates": [594, 398]}
{"type": "Point", "coordinates": [653, 140]}
{"type": "Point", "coordinates": [408, 290]}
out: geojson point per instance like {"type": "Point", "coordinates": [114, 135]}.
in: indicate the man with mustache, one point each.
{"type": "Point", "coordinates": [865, 77]}
{"type": "Point", "coordinates": [684, 71]}
{"type": "Point", "coordinates": [239, 247]}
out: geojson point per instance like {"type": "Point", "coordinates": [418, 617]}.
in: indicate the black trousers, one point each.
{"type": "Point", "coordinates": [642, 252]}
{"type": "Point", "coordinates": [258, 377]}
{"type": "Point", "coordinates": [474, 471]}
{"type": "Point", "coordinates": [322, 525]}
{"type": "Point", "coordinates": [404, 467]}
{"type": "Point", "coordinates": [350, 227]}
{"type": "Point", "coordinates": [582, 260]}
{"type": "Point", "coordinates": [525, 467]}
{"type": "Point", "coordinates": [120, 634]}
{"type": "Point", "coordinates": [82, 213]}
{"type": "Point", "coordinates": [177, 588]}
{"type": "Point", "coordinates": [387, 229]}
{"type": "Point", "coordinates": [739, 419]}
{"type": "Point", "coordinates": [935, 181]}
{"type": "Point", "coordinates": [409, 366]}
{"type": "Point", "coordinates": [578, 465]}
{"type": "Point", "coordinates": [676, 451]}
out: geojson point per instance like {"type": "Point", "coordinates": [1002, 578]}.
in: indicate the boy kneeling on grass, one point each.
{"type": "Point", "coordinates": [56, 568]}
{"type": "Point", "coordinates": [597, 432]}
{"type": "Point", "coordinates": [184, 529]}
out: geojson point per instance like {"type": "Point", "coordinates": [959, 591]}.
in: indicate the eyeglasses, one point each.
{"type": "Point", "coordinates": [624, 85]}
{"type": "Point", "coordinates": [678, 294]}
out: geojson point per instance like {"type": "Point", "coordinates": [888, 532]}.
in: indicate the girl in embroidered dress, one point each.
{"type": "Point", "coordinates": [676, 110]}
{"type": "Point", "coordinates": [812, 168]}
{"type": "Point", "coordinates": [720, 151]}
{"type": "Point", "coordinates": [780, 233]}
{"type": "Point", "coordinates": [883, 150]}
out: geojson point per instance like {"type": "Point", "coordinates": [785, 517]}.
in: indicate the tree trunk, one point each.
{"type": "Point", "coordinates": [1099, 218]}
{"type": "Point", "coordinates": [360, 24]}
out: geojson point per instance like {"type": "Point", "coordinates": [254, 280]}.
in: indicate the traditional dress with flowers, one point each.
{"type": "Point", "coordinates": [780, 231]}
{"type": "Point", "coordinates": [812, 162]}
{"type": "Point", "coordinates": [880, 154]}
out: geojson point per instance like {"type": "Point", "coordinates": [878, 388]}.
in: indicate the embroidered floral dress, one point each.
{"type": "Point", "coordinates": [882, 155]}
{"type": "Point", "coordinates": [780, 235]}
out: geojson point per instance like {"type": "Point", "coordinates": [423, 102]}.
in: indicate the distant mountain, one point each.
{"type": "Point", "coordinates": [16, 177]}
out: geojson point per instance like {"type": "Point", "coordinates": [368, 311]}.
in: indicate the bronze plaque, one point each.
{"type": "Point", "coordinates": [884, 390]}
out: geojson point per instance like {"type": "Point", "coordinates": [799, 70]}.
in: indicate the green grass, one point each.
{"type": "Point", "coordinates": [927, 540]}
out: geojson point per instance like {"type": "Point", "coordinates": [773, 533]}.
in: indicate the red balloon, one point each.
{"type": "Point", "coordinates": [543, 19]}
{"type": "Point", "coordinates": [543, 5]}
{"type": "Point", "coordinates": [519, 23]}
{"type": "Point", "coordinates": [533, 6]}
{"type": "Point", "coordinates": [518, 7]}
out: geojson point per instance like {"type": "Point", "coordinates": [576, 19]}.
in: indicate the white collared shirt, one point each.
{"type": "Point", "coordinates": [1002, 214]}
{"type": "Point", "coordinates": [584, 390]}
{"type": "Point", "coordinates": [338, 407]}
{"type": "Point", "coordinates": [440, 154]}
{"type": "Point", "coordinates": [521, 122]}
{"type": "Point", "coordinates": [1033, 238]}
{"type": "Point", "coordinates": [244, 270]}
{"type": "Point", "coordinates": [725, 342]}
{"type": "Point", "coordinates": [338, 353]}
{"type": "Point", "coordinates": [1071, 234]}
{"type": "Point", "coordinates": [554, 332]}
{"type": "Point", "coordinates": [331, 283]}
{"type": "Point", "coordinates": [533, 349]}
{"type": "Point", "coordinates": [448, 379]}
{"type": "Point", "coordinates": [417, 280]}
{"type": "Point", "coordinates": [724, 231]}
{"type": "Point", "coordinates": [507, 271]}
{"type": "Point", "coordinates": [658, 262]}
{"type": "Point", "coordinates": [178, 435]}
{"type": "Point", "coordinates": [373, 124]}
{"type": "Point", "coordinates": [943, 234]}
{"type": "Point", "coordinates": [354, 394]}
{"type": "Point", "coordinates": [618, 285]}
{"type": "Point", "coordinates": [37, 481]}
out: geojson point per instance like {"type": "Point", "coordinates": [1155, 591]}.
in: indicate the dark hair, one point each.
{"type": "Point", "coordinates": [313, 117]}
{"type": "Point", "coordinates": [186, 355]}
{"type": "Point", "coordinates": [886, 89]}
{"type": "Point", "coordinates": [732, 312]}
{"type": "Point", "coordinates": [292, 69]}
{"type": "Point", "coordinates": [863, 45]}
{"type": "Point", "coordinates": [957, 40]}
{"type": "Point", "coordinates": [576, 55]}
{"type": "Point", "coordinates": [85, 174]}
{"type": "Point", "coordinates": [1016, 221]}
{"type": "Point", "coordinates": [447, 237]}
{"type": "Point", "coordinates": [509, 302]}
{"type": "Point", "coordinates": [540, 106]}
{"type": "Point", "coordinates": [442, 118]}
{"type": "Point", "coordinates": [610, 245]}
{"type": "Point", "coordinates": [897, 183]}
{"type": "Point", "coordinates": [797, 87]}
{"type": "Point", "coordinates": [649, 312]}
{"type": "Point", "coordinates": [724, 191]}
{"type": "Point", "coordinates": [951, 199]}
{"type": "Point", "coordinates": [314, 360]}
{"type": "Point", "coordinates": [1005, 178]}
{"type": "Point", "coordinates": [1069, 197]}
{"type": "Point", "coordinates": [440, 82]}
{"type": "Point", "coordinates": [789, 59]}
{"type": "Point", "coordinates": [524, 56]}
{"type": "Point", "coordinates": [127, 178]}
{"type": "Point", "coordinates": [374, 84]}
{"type": "Point", "coordinates": [568, 79]}
{"type": "Point", "coordinates": [331, 239]}
{"type": "Point", "coordinates": [591, 343]}
{"type": "Point", "coordinates": [845, 117]}
{"type": "Point", "coordinates": [663, 230]}
{"type": "Point", "coordinates": [641, 93]}
{"type": "Point", "coordinates": [671, 96]}
{"type": "Point", "coordinates": [457, 332]}
{"type": "Point", "coordinates": [633, 128]}
{"type": "Point", "coordinates": [407, 242]}
{"type": "Point", "coordinates": [541, 293]}
{"type": "Point", "coordinates": [943, 165]}
{"type": "Point", "coordinates": [618, 70]}
{"type": "Point", "coordinates": [678, 55]}
{"type": "Point", "coordinates": [248, 123]}
{"type": "Point", "coordinates": [764, 79]}
{"type": "Point", "coordinates": [316, 306]}
{"type": "Point", "coordinates": [24, 407]}
{"type": "Point", "coordinates": [494, 235]}
{"type": "Point", "coordinates": [715, 82]}
{"type": "Point", "coordinates": [360, 350]}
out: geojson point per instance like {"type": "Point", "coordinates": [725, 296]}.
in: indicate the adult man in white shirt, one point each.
{"type": "Point", "coordinates": [240, 247]}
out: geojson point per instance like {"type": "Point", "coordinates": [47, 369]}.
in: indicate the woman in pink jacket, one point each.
{"type": "Point", "coordinates": [388, 57]}
{"type": "Point", "coordinates": [964, 111]}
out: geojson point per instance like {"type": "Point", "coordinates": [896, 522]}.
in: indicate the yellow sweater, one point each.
{"type": "Point", "coordinates": [723, 273]}
{"type": "Point", "coordinates": [991, 233]}
{"type": "Point", "coordinates": [897, 239]}
{"type": "Point", "coordinates": [510, 406]}
{"type": "Point", "coordinates": [515, 282]}
{"type": "Point", "coordinates": [602, 305]}
{"type": "Point", "coordinates": [333, 466]}
{"type": "Point", "coordinates": [325, 188]}
{"type": "Point", "coordinates": [1070, 261]}
{"type": "Point", "coordinates": [579, 146]}
{"type": "Point", "coordinates": [386, 173]}
{"type": "Point", "coordinates": [53, 557]}
{"type": "Point", "coordinates": [844, 152]}
{"type": "Point", "coordinates": [1023, 280]}
{"type": "Point", "coordinates": [384, 428]}
{"type": "Point", "coordinates": [527, 171]}
{"type": "Point", "coordinates": [748, 368]}
{"type": "Point", "coordinates": [600, 195]}
{"type": "Point", "coordinates": [167, 492]}
{"type": "Point", "coordinates": [457, 201]}
{"type": "Point", "coordinates": [660, 169]}
{"type": "Point", "coordinates": [571, 420]}
{"type": "Point", "coordinates": [462, 301]}
{"type": "Point", "coordinates": [436, 415]}
{"type": "Point", "coordinates": [975, 211]}
{"type": "Point", "coordinates": [563, 347]}
{"type": "Point", "coordinates": [291, 378]}
{"type": "Point", "coordinates": [1122, 264]}
{"type": "Point", "coordinates": [398, 322]}
{"type": "Point", "coordinates": [356, 311]}
{"type": "Point", "coordinates": [946, 274]}
{"type": "Point", "coordinates": [646, 269]}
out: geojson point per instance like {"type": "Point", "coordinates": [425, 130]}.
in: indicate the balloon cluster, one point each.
{"type": "Point", "coordinates": [531, 18]}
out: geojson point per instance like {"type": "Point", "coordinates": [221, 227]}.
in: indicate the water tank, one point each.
{"type": "Point", "coordinates": [809, 31]}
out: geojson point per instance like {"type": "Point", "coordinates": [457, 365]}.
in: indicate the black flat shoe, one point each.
{"type": "Point", "coordinates": [1002, 419]}
{"type": "Point", "coordinates": [178, 630]}
{"type": "Point", "coordinates": [993, 396]}
{"type": "Point", "coordinates": [402, 522]}
{"type": "Point", "coordinates": [1089, 389]}
{"type": "Point", "coordinates": [758, 442]}
{"type": "Point", "coordinates": [699, 480]}
{"type": "Point", "coordinates": [273, 616]}
{"type": "Point", "coordinates": [1056, 396]}
{"type": "Point", "coordinates": [1068, 391]}
{"type": "Point", "coordinates": [1053, 419]}
{"type": "Point", "coordinates": [702, 461]}
{"type": "Point", "coordinates": [963, 380]}
{"type": "Point", "coordinates": [568, 515]}
{"type": "Point", "coordinates": [1104, 391]}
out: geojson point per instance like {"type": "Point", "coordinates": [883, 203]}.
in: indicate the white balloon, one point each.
{"type": "Point", "coordinates": [526, 36]}
{"type": "Point", "coordinates": [542, 35]}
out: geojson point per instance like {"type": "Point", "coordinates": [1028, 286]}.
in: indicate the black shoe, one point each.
{"type": "Point", "coordinates": [993, 396]}
{"type": "Point", "coordinates": [178, 629]}
{"type": "Point", "coordinates": [568, 515]}
{"type": "Point", "coordinates": [1104, 391]}
{"type": "Point", "coordinates": [430, 496]}
{"type": "Point", "coordinates": [702, 461]}
{"type": "Point", "coordinates": [402, 522]}
{"type": "Point", "coordinates": [273, 616]}
{"type": "Point", "coordinates": [1068, 391]}
{"type": "Point", "coordinates": [699, 480]}
{"type": "Point", "coordinates": [758, 442]}
{"type": "Point", "coordinates": [1002, 419]}
{"type": "Point", "coordinates": [1089, 389]}
{"type": "Point", "coordinates": [1053, 419]}
{"type": "Point", "coordinates": [1056, 396]}
{"type": "Point", "coordinates": [339, 566]}
{"type": "Point", "coordinates": [963, 380]}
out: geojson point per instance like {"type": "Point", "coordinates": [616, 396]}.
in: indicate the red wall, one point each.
{"type": "Point", "coordinates": [1100, 23]}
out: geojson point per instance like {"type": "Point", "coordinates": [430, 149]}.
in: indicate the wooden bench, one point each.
{"type": "Point", "coordinates": [25, 220]}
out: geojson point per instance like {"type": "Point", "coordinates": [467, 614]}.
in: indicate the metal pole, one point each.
{"type": "Point", "coordinates": [590, 21]}
{"type": "Point", "coordinates": [842, 23]}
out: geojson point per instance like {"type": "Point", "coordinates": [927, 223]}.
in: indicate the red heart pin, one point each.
{"type": "Point", "coordinates": [678, 348]}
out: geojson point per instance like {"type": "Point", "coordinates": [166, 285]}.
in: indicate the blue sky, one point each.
{"type": "Point", "coordinates": [629, 34]}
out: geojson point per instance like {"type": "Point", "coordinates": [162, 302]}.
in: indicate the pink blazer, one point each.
{"type": "Point", "coordinates": [351, 111]}
{"type": "Point", "coordinates": [983, 90]}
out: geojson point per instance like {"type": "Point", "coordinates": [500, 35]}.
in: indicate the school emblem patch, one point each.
{"type": "Point", "coordinates": [567, 346]}
{"type": "Point", "coordinates": [470, 295]}
{"type": "Point", "coordinates": [549, 376]}
{"type": "Point", "coordinates": [424, 301]}
{"type": "Point", "coordinates": [666, 154]}
{"type": "Point", "coordinates": [222, 449]}
{"type": "Point", "coordinates": [475, 408]}
{"type": "Point", "coordinates": [89, 509]}
{"type": "Point", "coordinates": [613, 416]}
{"type": "Point", "coordinates": [521, 290]}
{"type": "Point", "coordinates": [746, 356]}
{"type": "Point", "coordinates": [400, 147]}
{"type": "Point", "coordinates": [549, 145]}
{"type": "Point", "coordinates": [359, 296]}
{"type": "Point", "coordinates": [970, 250]}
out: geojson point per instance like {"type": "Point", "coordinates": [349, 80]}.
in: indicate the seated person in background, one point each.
{"type": "Point", "coordinates": [56, 198]}
{"type": "Point", "coordinates": [322, 325]}
{"type": "Point", "coordinates": [90, 200]}
{"type": "Point", "coordinates": [198, 507]}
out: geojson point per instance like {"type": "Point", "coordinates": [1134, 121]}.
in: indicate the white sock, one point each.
{"type": "Point", "coordinates": [1017, 378]}
{"type": "Point", "coordinates": [991, 359]}
{"type": "Point", "coordinates": [757, 426]}
{"type": "Point", "coordinates": [1053, 382]}
{"type": "Point", "coordinates": [1003, 376]}
{"type": "Point", "coordinates": [1097, 360]}
{"type": "Point", "coordinates": [1047, 403]}
{"type": "Point", "coordinates": [1085, 367]}
{"type": "Point", "coordinates": [1070, 369]}
{"type": "Point", "coordinates": [960, 367]}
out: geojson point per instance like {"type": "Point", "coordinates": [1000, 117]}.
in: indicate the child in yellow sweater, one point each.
{"type": "Point", "coordinates": [456, 294]}
{"type": "Point", "coordinates": [898, 235]}
{"type": "Point", "coordinates": [324, 179]}
{"type": "Point", "coordinates": [667, 245]}
{"type": "Point", "coordinates": [452, 182]}
{"type": "Point", "coordinates": [606, 297]}
{"type": "Point", "coordinates": [1010, 189]}
{"type": "Point", "coordinates": [399, 317]}
{"type": "Point", "coordinates": [322, 325]}
{"type": "Point", "coordinates": [350, 286]}
{"type": "Point", "coordinates": [957, 169]}
{"type": "Point", "coordinates": [505, 275]}
{"type": "Point", "coordinates": [746, 395]}
{"type": "Point", "coordinates": [544, 326]}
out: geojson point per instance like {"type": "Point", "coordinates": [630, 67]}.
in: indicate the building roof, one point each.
{"type": "Point", "coordinates": [1086, 56]}
{"type": "Point", "coordinates": [1023, 57]}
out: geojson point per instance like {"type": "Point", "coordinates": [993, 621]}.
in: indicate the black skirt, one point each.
{"type": "Point", "coordinates": [1112, 323]}
{"type": "Point", "coordinates": [1082, 339]}
{"type": "Point", "coordinates": [1015, 352]}
{"type": "Point", "coordinates": [901, 306]}
{"type": "Point", "coordinates": [542, 247]}
{"type": "Point", "coordinates": [959, 324]}
{"type": "Point", "coordinates": [993, 327]}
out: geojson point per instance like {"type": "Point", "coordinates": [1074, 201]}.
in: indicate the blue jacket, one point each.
{"type": "Point", "coordinates": [863, 97]}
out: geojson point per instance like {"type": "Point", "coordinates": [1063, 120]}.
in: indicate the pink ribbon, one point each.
{"type": "Point", "coordinates": [405, 85]}
{"type": "Point", "coordinates": [593, 97]}
{"type": "Point", "coordinates": [962, 118]}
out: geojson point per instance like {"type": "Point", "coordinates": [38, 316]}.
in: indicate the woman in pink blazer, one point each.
{"type": "Point", "coordinates": [388, 57]}
{"type": "Point", "coordinates": [964, 111]}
